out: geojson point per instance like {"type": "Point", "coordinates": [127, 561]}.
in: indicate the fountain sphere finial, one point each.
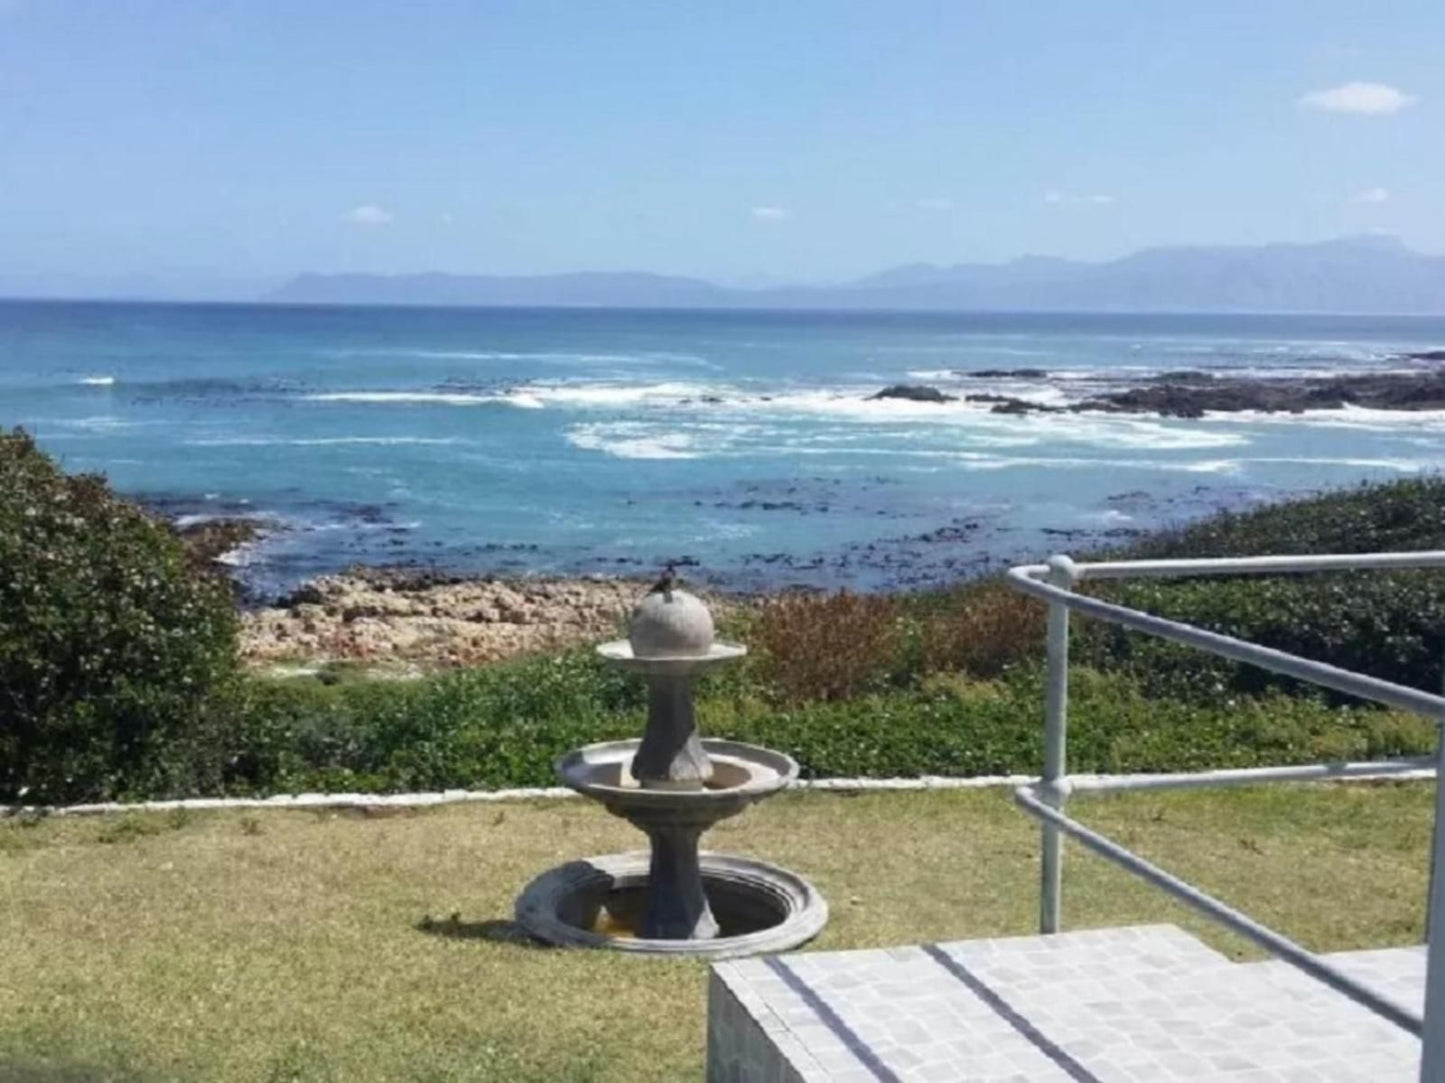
{"type": "Point", "coordinates": [670, 623]}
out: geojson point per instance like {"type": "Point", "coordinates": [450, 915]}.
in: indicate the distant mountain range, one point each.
{"type": "Point", "coordinates": [1369, 274]}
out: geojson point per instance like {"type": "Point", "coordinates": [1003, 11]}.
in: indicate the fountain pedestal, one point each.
{"type": "Point", "coordinates": [677, 907]}
{"type": "Point", "coordinates": [673, 785]}
{"type": "Point", "coordinates": [671, 755]}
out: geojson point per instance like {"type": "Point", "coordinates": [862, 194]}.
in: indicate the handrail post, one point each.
{"type": "Point", "coordinates": [1432, 1051]}
{"type": "Point", "coordinates": [1434, 833]}
{"type": "Point", "coordinates": [1432, 1040]}
{"type": "Point", "coordinates": [1056, 732]}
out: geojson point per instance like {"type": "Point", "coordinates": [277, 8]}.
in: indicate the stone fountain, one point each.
{"type": "Point", "coordinates": [673, 785]}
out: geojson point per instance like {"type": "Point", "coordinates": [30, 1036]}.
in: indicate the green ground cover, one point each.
{"type": "Point", "coordinates": [504, 726]}
{"type": "Point", "coordinates": [279, 946]}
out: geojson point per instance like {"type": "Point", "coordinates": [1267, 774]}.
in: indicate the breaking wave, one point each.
{"type": "Point", "coordinates": [624, 441]}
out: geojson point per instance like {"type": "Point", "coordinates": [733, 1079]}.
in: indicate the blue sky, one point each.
{"type": "Point", "coordinates": [735, 140]}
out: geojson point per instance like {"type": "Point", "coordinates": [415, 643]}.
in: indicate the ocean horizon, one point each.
{"type": "Point", "coordinates": [745, 445]}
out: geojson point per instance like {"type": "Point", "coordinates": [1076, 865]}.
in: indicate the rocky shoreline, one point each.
{"type": "Point", "coordinates": [428, 619]}
{"type": "Point", "coordinates": [1193, 394]}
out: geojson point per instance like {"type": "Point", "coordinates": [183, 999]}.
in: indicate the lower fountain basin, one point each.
{"type": "Point", "coordinates": [597, 902]}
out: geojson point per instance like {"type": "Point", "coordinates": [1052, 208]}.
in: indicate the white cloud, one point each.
{"type": "Point", "coordinates": [937, 203]}
{"type": "Point", "coordinates": [770, 214]}
{"type": "Point", "coordinates": [1064, 198]}
{"type": "Point", "coordinates": [368, 214]}
{"type": "Point", "coordinates": [1371, 195]}
{"type": "Point", "coordinates": [1363, 99]}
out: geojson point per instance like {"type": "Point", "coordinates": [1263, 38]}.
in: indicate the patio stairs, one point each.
{"type": "Point", "coordinates": [1146, 1003]}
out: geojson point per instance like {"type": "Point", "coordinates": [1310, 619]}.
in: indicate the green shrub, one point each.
{"type": "Point", "coordinates": [112, 646]}
{"type": "Point", "coordinates": [1372, 517]}
{"type": "Point", "coordinates": [1390, 625]}
{"type": "Point", "coordinates": [1387, 624]}
{"type": "Point", "coordinates": [495, 726]}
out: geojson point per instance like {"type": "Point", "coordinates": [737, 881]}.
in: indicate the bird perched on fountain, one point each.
{"type": "Point", "coordinates": [666, 583]}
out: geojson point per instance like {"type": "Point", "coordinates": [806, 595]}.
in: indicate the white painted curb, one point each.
{"type": "Point", "coordinates": [452, 797]}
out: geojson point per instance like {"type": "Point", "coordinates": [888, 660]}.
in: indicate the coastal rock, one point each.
{"type": "Point", "coordinates": [436, 618]}
{"type": "Point", "coordinates": [1427, 355]}
{"type": "Point", "coordinates": [1006, 374]}
{"type": "Point", "coordinates": [208, 540]}
{"type": "Point", "coordinates": [1194, 397]}
{"type": "Point", "coordinates": [913, 393]}
{"type": "Point", "coordinates": [1008, 404]}
{"type": "Point", "coordinates": [1182, 376]}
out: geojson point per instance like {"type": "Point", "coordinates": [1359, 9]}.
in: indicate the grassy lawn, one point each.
{"type": "Point", "coordinates": [293, 946]}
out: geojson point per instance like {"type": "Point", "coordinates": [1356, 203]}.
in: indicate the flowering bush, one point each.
{"type": "Point", "coordinates": [112, 645]}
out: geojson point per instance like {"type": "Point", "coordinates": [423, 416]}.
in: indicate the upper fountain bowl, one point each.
{"type": "Point", "coordinates": [671, 631]}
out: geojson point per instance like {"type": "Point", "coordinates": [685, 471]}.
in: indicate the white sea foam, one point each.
{"type": "Point", "coordinates": [101, 424]}
{"type": "Point", "coordinates": [184, 521]}
{"type": "Point", "coordinates": [605, 395]}
{"type": "Point", "coordinates": [96, 381]}
{"type": "Point", "coordinates": [856, 404]}
{"type": "Point", "coordinates": [1096, 429]}
{"type": "Point", "coordinates": [1109, 516]}
{"type": "Point", "coordinates": [999, 462]}
{"type": "Point", "coordinates": [1347, 417]}
{"type": "Point", "coordinates": [407, 398]}
{"type": "Point", "coordinates": [559, 357]}
{"type": "Point", "coordinates": [625, 441]}
{"type": "Point", "coordinates": [533, 396]}
{"type": "Point", "coordinates": [665, 440]}
{"type": "Point", "coordinates": [1403, 466]}
{"type": "Point", "coordinates": [1104, 430]}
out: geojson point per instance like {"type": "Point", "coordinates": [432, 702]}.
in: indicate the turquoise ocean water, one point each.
{"type": "Point", "coordinates": [610, 441]}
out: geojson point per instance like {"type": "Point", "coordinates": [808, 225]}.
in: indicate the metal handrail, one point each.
{"type": "Point", "coordinates": [1046, 799]}
{"type": "Point", "coordinates": [1279, 565]}
{"type": "Point", "coordinates": [1208, 905]}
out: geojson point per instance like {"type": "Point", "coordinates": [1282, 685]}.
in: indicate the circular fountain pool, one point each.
{"type": "Point", "coordinates": [599, 902]}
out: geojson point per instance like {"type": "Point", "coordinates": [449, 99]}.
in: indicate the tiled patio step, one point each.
{"type": "Point", "coordinates": [1145, 1003]}
{"type": "Point", "coordinates": [1397, 972]}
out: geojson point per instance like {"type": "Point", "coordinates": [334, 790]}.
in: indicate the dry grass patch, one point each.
{"type": "Point", "coordinates": [828, 646]}
{"type": "Point", "coordinates": [982, 630]}
{"type": "Point", "coordinates": [295, 946]}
